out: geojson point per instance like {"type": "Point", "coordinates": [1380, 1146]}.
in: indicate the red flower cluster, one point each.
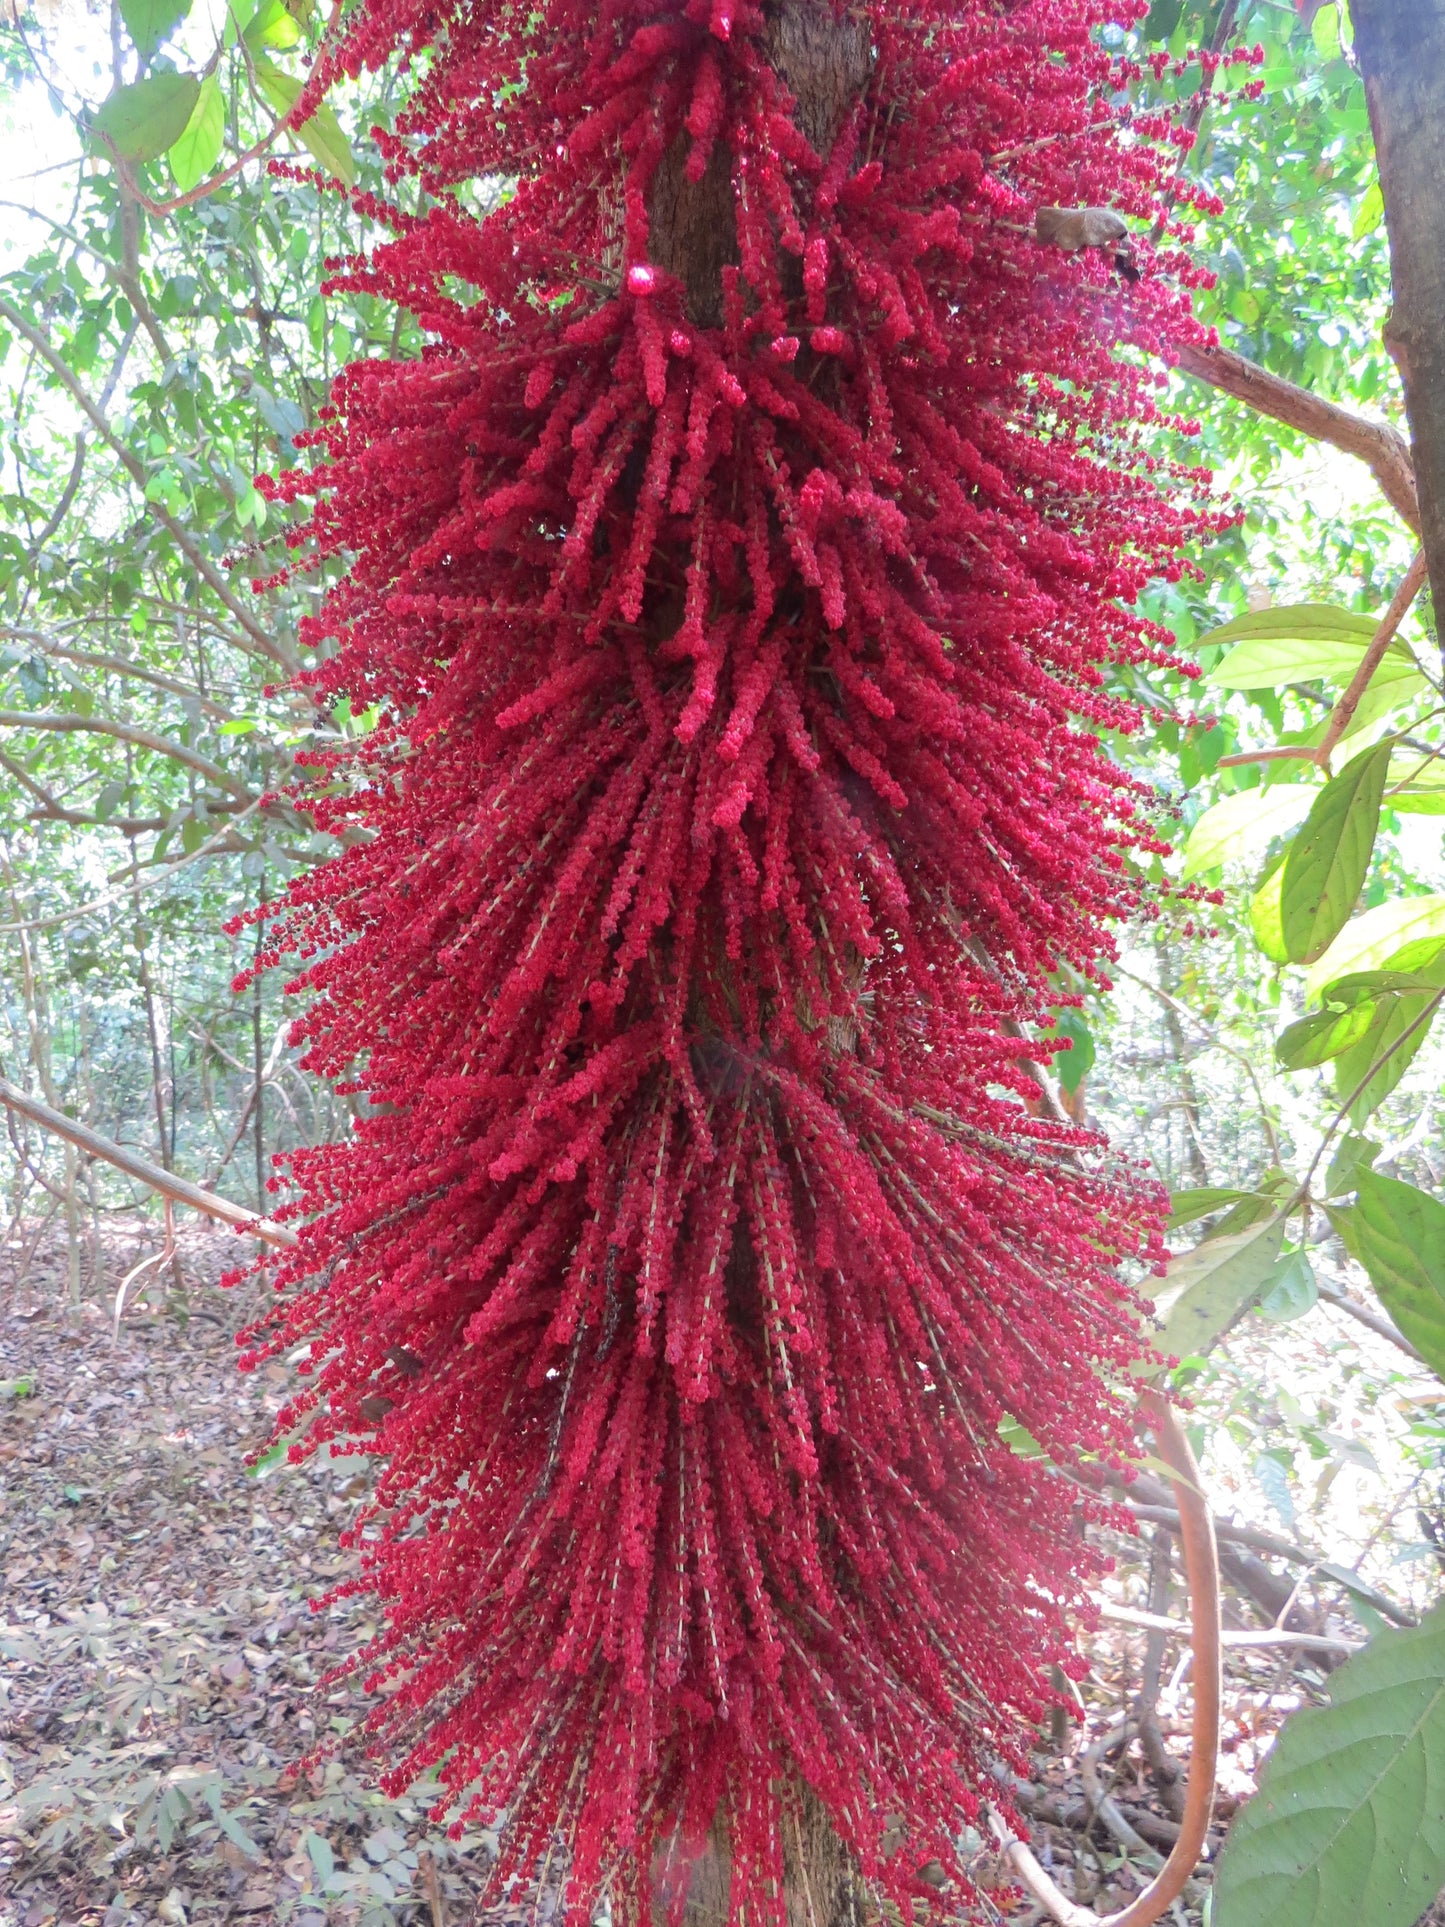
{"type": "Point", "coordinates": [733, 575]}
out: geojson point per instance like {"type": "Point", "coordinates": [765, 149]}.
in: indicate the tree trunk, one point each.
{"type": "Point", "coordinates": [1401, 49]}
{"type": "Point", "coordinates": [820, 1879]}
{"type": "Point", "coordinates": [824, 55]}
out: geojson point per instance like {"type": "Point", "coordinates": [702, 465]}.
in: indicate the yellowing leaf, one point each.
{"type": "Point", "coordinates": [1266, 662]}
{"type": "Point", "coordinates": [199, 147]}
{"type": "Point", "coordinates": [1264, 916]}
{"type": "Point", "coordinates": [1240, 826]}
{"type": "Point", "coordinates": [1370, 212]}
{"type": "Point", "coordinates": [1370, 941]}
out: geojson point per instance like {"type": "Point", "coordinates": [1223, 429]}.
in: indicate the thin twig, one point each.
{"type": "Point", "coordinates": [1234, 1641]}
{"type": "Point", "coordinates": [1411, 584]}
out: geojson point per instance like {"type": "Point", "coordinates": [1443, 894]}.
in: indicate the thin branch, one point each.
{"type": "Point", "coordinates": [1372, 1320]}
{"type": "Point", "coordinates": [135, 468]}
{"type": "Point", "coordinates": [222, 840]}
{"type": "Point", "coordinates": [1238, 1642]}
{"type": "Point", "coordinates": [118, 666]}
{"type": "Point", "coordinates": [1382, 448]}
{"type": "Point", "coordinates": [179, 1190]}
{"type": "Point", "coordinates": [1411, 584]}
{"type": "Point", "coordinates": [59, 720]}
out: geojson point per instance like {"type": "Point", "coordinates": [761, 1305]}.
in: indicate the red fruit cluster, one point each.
{"type": "Point", "coordinates": [733, 576]}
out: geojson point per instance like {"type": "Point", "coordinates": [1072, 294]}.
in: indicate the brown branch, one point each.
{"type": "Point", "coordinates": [57, 720]}
{"type": "Point", "coordinates": [120, 666]}
{"type": "Point", "coordinates": [1201, 1566]}
{"type": "Point", "coordinates": [135, 468]}
{"type": "Point", "coordinates": [1382, 448]}
{"type": "Point", "coordinates": [1341, 716]}
{"type": "Point", "coordinates": [1248, 1641]}
{"type": "Point", "coordinates": [179, 1190]}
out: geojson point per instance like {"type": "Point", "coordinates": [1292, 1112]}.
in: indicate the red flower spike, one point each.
{"type": "Point", "coordinates": [737, 632]}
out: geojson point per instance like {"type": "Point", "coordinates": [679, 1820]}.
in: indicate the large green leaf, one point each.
{"type": "Point", "coordinates": [1297, 622]}
{"type": "Point", "coordinates": [1239, 826]}
{"type": "Point", "coordinates": [1205, 1290]}
{"type": "Point", "coordinates": [149, 22]}
{"type": "Point", "coordinates": [1325, 869]}
{"type": "Point", "coordinates": [1400, 1022]}
{"type": "Point", "coordinates": [321, 133]}
{"type": "Point", "coordinates": [1264, 914]}
{"type": "Point", "coordinates": [1268, 662]}
{"type": "Point", "coordinates": [272, 25]}
{"type": "Point", "coordinates": [141, 121]}
{"type": "Point", "coordinates": [1376, 938]}
{"type": "Point", "coordinates": [1186, 1207]}
{"type": "Point", "coordinates": [1398, 1235]}
{"type": "Point", "coordinates": [1372, 1024]}
{"type": "Point", "coordinates": [1349, 1007]}
{"type": "Point", "coordinates": [1348, 1826]}
{"type": "Point", "coordinates": [1072, 1066]}
{"type": "Point", "coordinates": [199, 147]}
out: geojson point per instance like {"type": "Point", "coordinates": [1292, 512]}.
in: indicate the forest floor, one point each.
{"type": "Point", "coordinates": [162, 1673]}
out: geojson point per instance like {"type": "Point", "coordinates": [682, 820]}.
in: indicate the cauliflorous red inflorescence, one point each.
{"type": "Point", "coordinates": [733, 575]}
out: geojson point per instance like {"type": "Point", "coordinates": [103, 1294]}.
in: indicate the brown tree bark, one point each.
{"type": "Point", "coordinates": [824, 56]}
{"type": "Point", "coordinates": [1401, 49]}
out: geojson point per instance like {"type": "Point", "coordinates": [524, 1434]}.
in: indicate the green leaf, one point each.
{"type": "Point", "coordinates": [1352, 1155]}
{"type": "Point", "coordinates": [1264, 915]}
{"type": "Point", "coordinates": [1352, 1005]}
{"type": "Point", "coordinates": [1206, 1289]}
{"type": "Point", "coordinates": [1325, 32]}
{"type": "Point", "coordinates": [1268, 662]}
{"type": "Point", "coordinates": [199, 147]}
{"type": "Point", "coordinates": [1292, 1290]}
{"type": "Point", "coordinates": [1347, 1827]}
{"type": "Point", "coordinates": [1369, 1070]}
{"type": "Point", "coordinates": [141, 121]}
{"type": "Point", "coordinates": [1376, 938]}
{"type": "Point", "coordinates": [149, 22]}
{"type": "Point", "coordinates": [321, 133]}
{"type": "Point", "coordinates": [1325, 869]}
{"type": "Point", "coordinates": [272, 25]}
{"type": "Point", "coordinates": [1072, 1066]}
{"type": "Point", "coordinates": [1370, 212]}
{"type": "Point", "coordinates": [1398, 1235]}
{"type": "Point", "coordinates": [322, 1857]}
{"type": "Point", "coordinates": [1296, 622]}
{"type": "Point", "coordinates": [1185, 1207]}
{"type": "Point", "coordinates": [1239, 826]}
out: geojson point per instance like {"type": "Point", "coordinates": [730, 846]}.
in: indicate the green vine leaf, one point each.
{"type": "Point", "coordinates": [141, 121]}
{"type": "Point", "coordinates": [1325, 869]}
{"type": "Point", "coordinates": [321, 133]}
{"type": "Point", "coordinates": [1241, 825]}
{"type": "Point", "coordinates": [1347, 1827]}
{"type": "Point", "coordinates": [1398, 1234]}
